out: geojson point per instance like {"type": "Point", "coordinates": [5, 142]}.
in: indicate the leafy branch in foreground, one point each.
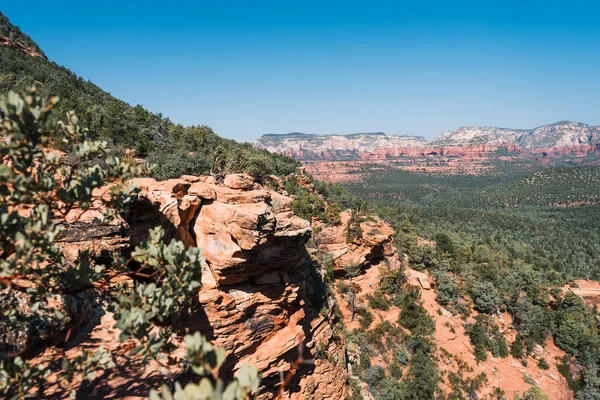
{"type": "Point", "coordinates": [39, 190]}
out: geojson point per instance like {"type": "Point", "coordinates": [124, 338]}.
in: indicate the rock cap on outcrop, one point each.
{"type": "Point", "coordinates": [243, 229]}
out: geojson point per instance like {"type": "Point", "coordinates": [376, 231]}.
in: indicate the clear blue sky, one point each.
{"type": "Point", "coordinates": [253, 67]}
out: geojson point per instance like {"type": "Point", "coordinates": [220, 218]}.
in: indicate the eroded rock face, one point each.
{"type": "Point", "coordinates": [260, 295]}
{"type": "Point", "coordinates": [375, 244]}
{"type": "Point", "coordinates": [244, 229]}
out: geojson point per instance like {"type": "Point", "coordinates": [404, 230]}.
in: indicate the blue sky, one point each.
{"type": "Point", "coordinates": [252, 67]}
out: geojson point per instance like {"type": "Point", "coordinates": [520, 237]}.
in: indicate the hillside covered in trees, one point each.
{"type": "Point", "coordinates": [508, 242]}
{"type": "Point", "coordinates": [132, 130]}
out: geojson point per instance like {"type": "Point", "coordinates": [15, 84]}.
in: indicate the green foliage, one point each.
{"type": "Point", "coordinates": [165, 276]}
{"type": "Point", "coordinates": [175, 276]}
{"type": "Point", "coordinates": [204, 358]}
{"type": "Point", "coordinates": [509, 239]}
{"type": "Point", "coordinates": [421, 379]}
{"type": "Point", "coordinates": [413, 316]}
{"type": "Point", "coordinates": [392, 279]}
{"type": "Point", "coordinates": [535, 323]}
{"type": "Point", "coordinates": [465, 386]}
{"type": "Point", "coordinates": [332, 214]}
{"type": "Point", "coordinates": [365, 317]}
{"type": "Point", "coordinates": [535, 393]}
{"type": "Point", "coordinates": [479, 338]}
{"type": "Point", "coordinates": [378, 300]}
{"type": "Point", "coordinates": [373, 375]}
{"type": "Point", "coordinates": [307, 205]}
{"type": "Point", "coordinates": [354, 231]}
{"type": "Point", "coordinates": [445, 245]}
{"type": "Point", "coordinates": [577, 329]}
{"type": "Point", "coordinates": [518, 348]}
{"type": "Point", "coordinates": [354, 389]}
{"type": "Point", "coordinates": [401, 357]}
{"type": "Point", "coordinates": [486, 297]}
{"type": "Point", "coordinates": [446, 290]}
{"type": "Point", "coordinates": [197, 150]}
{"type": "Point", "coordinates": [543, 364]}
{"type": "Point", "coordinates": [486, 338]}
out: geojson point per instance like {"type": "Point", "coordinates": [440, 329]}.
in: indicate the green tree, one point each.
{"type": "Point", "coordinates": [444, 244]}
{"type": "Point", "coordinates": [307, 205]}
{"type": "Point", "coordinates": [332, 214]}
{"type": "Point", "coordinates": [486, 297]}
{"type": "Point", "coordinates": [354, 231]}
{"type": "Point", "coordinates": [352, 271]}
{"type": "Point", "coordinates": [421, 379]}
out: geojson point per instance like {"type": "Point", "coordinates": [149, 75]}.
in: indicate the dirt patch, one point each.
{"type": "Point", "coordinates": [508, 373]}
{"type": "Point", "coordinates": [589, 290]}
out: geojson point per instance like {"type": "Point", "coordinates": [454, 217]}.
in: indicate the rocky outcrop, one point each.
{"type": "Point", "coordinates": [588, 290]}
{"type": "Point", "coordinates": [33, 51]}
{"type": "Point", "coordinates": [261, 298]}
{"type": "Point", "coordinates": [244, 229]}
{"type": "Point", "coordinates": [375, 243]}
{"type": "Point", "coordinates": [260, 295]}
{"type": "Point", "coordinates": [39, 326]}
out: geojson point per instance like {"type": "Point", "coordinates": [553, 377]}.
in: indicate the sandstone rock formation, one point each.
{"type": "Point", "coordinates": [588, 290]}
{"type": "Point", "coordinates": [375, 244]}
{"type": "Point", "coordinates": [560, 134]}
{"type": "Point", "coordinates": [261, 298]}
{"type": "Point", "coordinates": [244, 230]}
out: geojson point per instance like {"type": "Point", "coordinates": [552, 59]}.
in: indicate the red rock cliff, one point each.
{"type": "Point", "coordinates": [260, 294]}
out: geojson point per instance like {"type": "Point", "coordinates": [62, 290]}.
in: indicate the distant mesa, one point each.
{"type": "Point", "coordinates": [560, 138]}
{"type": "Point", "coordinates": [334, 146]}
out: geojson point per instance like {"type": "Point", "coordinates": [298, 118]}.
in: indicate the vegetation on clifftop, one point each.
{"type": "Point", "coordinates": [39, 188]}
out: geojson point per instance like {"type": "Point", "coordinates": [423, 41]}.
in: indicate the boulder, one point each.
{"type": "Point", "coordinates": [239, 181]}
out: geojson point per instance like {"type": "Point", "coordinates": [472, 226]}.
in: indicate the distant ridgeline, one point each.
{"type": "Point", "coordinates": [560, 139]}
{"type": "Point", "coordinates": [130, 130]}
{"type": "Point", "coordinates": [335, 147]}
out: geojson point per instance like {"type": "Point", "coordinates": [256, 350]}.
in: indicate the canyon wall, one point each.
{"type": "Point", "coordinates": [467, 150]}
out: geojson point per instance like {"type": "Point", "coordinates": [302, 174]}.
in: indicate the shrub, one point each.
{"type": "Point", "coordinates": [365, 318]}
{"type": "Point", "coordinates": [413, 316]}
{"type": "Point", "coordinates": [535, 393]}
{"type": "Point", "coordinates": [486, 297]}
{"type": "Point", "coordinates": [354, 231]}
{"type": "Point", "coordinates": [307, 205]}
{"type": "Point", "coordinates": [373, 375]}
{"type": "Point", "coordinates": [378, 300]}
{"type": "Point", "coordinates": [518, 349]}
{"type": "Point", "coordinates": [543, 364]}
{"type": "Point", "coordinates": [396, 370]}
{"type": "Point", "coordinates": [332, 214]}
{"type": "Point", "coordinates": [401, 357]}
